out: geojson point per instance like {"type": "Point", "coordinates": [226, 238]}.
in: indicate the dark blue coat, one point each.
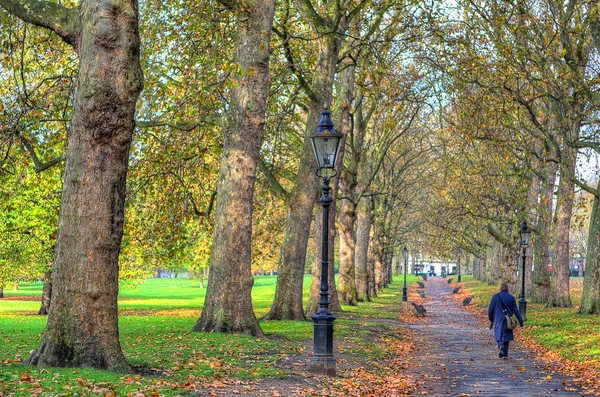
{"type": "Point", "coordinates": [496, 315]}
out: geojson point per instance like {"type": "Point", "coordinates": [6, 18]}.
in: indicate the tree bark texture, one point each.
{"type": "Point", "coordinates": [46, 294]}
{"type": "Point", "coordinates": [378, 270]}
{"type": "Point", "coordinates": [82, 326]}
{"type": "Point", "coordinates": [560, 295]}
{"type": "Point", "coordinates": [396, 262]}
{"type": "Point", "coordinates": [511, 263]}
{"type": "Point", "coordinates": [228, 303]}
{"type": "Point", "coordinates": [483, 266]}
{"type": "Point", "coordinates": [347, 188]}
{"type": "Point", "coordinates": [371, 263]}
{"type": "Point", "coordinates": [363, 235]}
{"type": "Point", "coordinates": [302, 198]}
{"type": "Point", "coordinates": [541, 257]}
{"type": "Point", "coordinates": [590, 301]}
{"type": "Point", "coordinates": [494, 267]}
{"type": "Point", "coordinates": [347, 276]}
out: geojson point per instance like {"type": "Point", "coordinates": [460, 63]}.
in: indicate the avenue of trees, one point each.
{"type": "Point", "coordinates": [170, 134]}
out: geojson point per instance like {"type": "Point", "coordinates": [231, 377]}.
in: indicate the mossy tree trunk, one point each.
{"type": "Point", "coordinates": [228, 303]}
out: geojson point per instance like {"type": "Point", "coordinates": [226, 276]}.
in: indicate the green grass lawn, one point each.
{"type": "Point", "coordinates": [571, 335]}
{"type": "Point", "coordinates": [155, 320]}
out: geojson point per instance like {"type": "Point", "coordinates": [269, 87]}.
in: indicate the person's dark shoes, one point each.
{"type": "Point", "coordinates": [501, 353]}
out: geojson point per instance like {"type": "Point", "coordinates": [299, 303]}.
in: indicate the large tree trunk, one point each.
{"type": "Point", "coordinates": [590, 301]}
{"type": "Point", "coordinates": [228, 303]}
{"type": "Point", "coordinates": [1, 291]}
{"type": "Point", "coordinates": [560, 295]}
{"type": "Point", "coordinates": [494, 267]}
{"type": "Point", "coordinates": [346, 280]}
{"type": "Point", "coordinates": [396, 262]}
{"type": "Point", "coordinates": [302, 198]}
{"type": "Point", "coordinates": [347, 276]}
{"type": "Point", "coordinates": [371, 277]}
{"type": "Point", "coordinates": [483, 266]}
{"type": "Point", "coordinates": [541, 257]}
{"type": "Point", "coordinates": [363, 234]}
{"type": "Point", "coordinates": [82, 327]}
{"type": "Point", "coordinates": [378, 270]}
{"type": "Point", "coordinates": [46, 294]}
{"type": "Point", "coordinates": [511, 263]}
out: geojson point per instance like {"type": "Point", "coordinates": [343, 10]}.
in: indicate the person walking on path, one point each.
{"type": "Point", "coordinates": [496, 315]}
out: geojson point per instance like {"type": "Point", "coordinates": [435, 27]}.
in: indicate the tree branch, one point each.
{"type": "Point", "coordinates": [497, 234]}
{"type": "Point", "coordinates": [285, 37]}
{"type": "Point", "coordinates": [186, 126]}
{"type": "Point", "coordinates": [308, 12]}
{"type": "Point", "coordinates": [61, 20]}
{"type": "Point", "coordinates": [211, 204]}
{"type": "Point", "coordinates": [39, 167]}
{"type": "Point", "coordinates": [586, 187]}
{"type": "Point", "coordinates": [276, 187]}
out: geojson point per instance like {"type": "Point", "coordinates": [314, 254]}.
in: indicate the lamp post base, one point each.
{"type": "Point", "coordinates": [523, 308]}
{"type": "Point", "coordinates": [404, 295]}
{"type": "Point", "coordinates": [459, 280]}
{"type": "Point", "coordinates": [322, 366]}
{"type": "Point", "coordinates": [323, 361]}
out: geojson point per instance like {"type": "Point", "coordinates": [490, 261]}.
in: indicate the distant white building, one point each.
{"type": "Point", "coordinates": [437, 267]}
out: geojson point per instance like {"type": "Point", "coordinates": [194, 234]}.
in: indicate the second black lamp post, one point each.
{"type": "Point", "coordinates": [326, 144]}
{"type": "Point", "coordinates": [525, 234]}
{"type": "Point", "coordinates": [405, 290]}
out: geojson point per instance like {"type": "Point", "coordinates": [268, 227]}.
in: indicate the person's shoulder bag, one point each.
{"type": "Point", "coordinates": [511, 321]}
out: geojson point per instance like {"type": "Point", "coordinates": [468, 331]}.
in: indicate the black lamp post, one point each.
{"type": "Point", "coordinates": [525, 234]}
{"type": "Point", "coordinates": [459, 255]}
{"type": "Point", "coordinates": [404, 290]}
{"type": "Point", "coordinates": [326, 143]}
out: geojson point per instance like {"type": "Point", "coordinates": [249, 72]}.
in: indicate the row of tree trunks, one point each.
{"type": "Point", "coordinates": [302, 198]}
{"type": "Point", "coordinates": [225, 310]}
